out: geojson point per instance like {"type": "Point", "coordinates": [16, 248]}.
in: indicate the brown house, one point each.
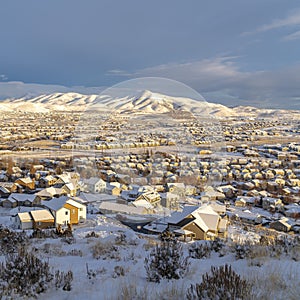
{"type": "Point", "coordinates": [201, 223]}
{"type": "Point", "coordinates": [42, 219]}
{"type": "Point", "coordinates": [27, 183]}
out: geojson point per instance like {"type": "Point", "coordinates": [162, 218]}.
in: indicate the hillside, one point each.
{"type": "Point", "coordinates": [145, 102]}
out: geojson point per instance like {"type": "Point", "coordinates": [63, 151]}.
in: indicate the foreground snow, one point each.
{"type": "Point", "coordinates": [107, 260]}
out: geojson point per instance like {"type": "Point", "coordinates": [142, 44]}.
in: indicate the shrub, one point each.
{"type": "Point", "coordinates": [218, 246]}
{"type": "Point", "coordinates": [105, 250]}
{"type": "Point", "coordinates": [166, 261]}
{"type": "Point", "coordinates": [199, 250]}
{"type": "Point", "coordinates": [242, 250]}
{"type": "Point", "coordinates": [25, 274]}
{"type": "Point", "coordinates": [222, 283]}
{"type": "Point", "coordinates": [63, 280]}
{"type": "Point", "coordinates": [11, 241]}
{"type": "Point", "coordinates": [118, 271]}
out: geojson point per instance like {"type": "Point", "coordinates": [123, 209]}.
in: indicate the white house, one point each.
{"type": "Point", "coordinates": [65, 210]}
{"type": "Point", "coordinates": [94, 185]}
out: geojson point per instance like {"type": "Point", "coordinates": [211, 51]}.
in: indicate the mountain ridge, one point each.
{"type": "Point", "coordinates": [144, 102]}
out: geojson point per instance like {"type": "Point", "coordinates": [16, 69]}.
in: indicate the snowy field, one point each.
{"type": "Point", "coordinates": [108, 262]}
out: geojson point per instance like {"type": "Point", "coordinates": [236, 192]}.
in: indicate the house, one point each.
{"type": "Point", "coordinates": [50, 192]}
{"type": "Point", "coordinates": [281, 225]}
{"type": "Point", "coordinates": [113, 188]}
{"type": "Point", "coordinates": [77, 211]}
{"type": "Point", "coordinates": [25, 199]}
{"type": "Point", "coordinates": [35, 168]}
{"type": "Point", "coordinates": [292, 211]}
{"type": "Point", "coordinates": [24, 221]}
{"type": "Point", "coordinates": [271, 203]}
{"type": "Point", "coordinates": [70, 189]}
{"type": "Point", "coordinates": [4, 192]}
{"type": "Point", "coordinates": [65, 210]}
{"type": "Point", "coordinates": [114, 208]}
{"type": "Point", "coordinates": [27, 183]}
{"type": "Point", "coordinates": [228, 190]}
{"type": "Point", "coordinates": [195, 222]}
{"type": "Point", "coordinates": [170, 200]}
{"type": "Point", "coordinates": [34, 219]}
{"type": "Point", "coordinates": [42, 219]}
{"type": "Point", "coordinates": [47, 181]}
{"type": "Point", "coordinates": [143, 203]}
{"type": "Point", "coordinates": [240, 202]}
{"type": "Point", "coordinates": [94, 185]}
{"type": "Point", "coordinates": [9, 203]}
{"type": "Point", "coordinates": [10, 186]}
{"type": "Point", "coordinates": [245, 216]}
{"type": "Point", "coordinates": [150, 196]}
{"type": "Point", "coordinates": [176, 188]}
{"type": "Point", "coordinates": [210, 194]}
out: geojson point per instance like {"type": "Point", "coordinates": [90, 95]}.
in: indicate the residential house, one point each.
{"type": "Point", "coordinates": [201, 223]}
{"type": "Point", "coordinates": [281, 225]}
{"type": "Point", "coordinates": [4, 192]}
{"type": "Point", "coordinates": [34, 219]}
{"type": "Point", "coordinates": [65, 210]}
{"type": "Point", "coordinates": [27, 183]}
{"type": "Point", "coordinates": [47, 181]}
{"type": "Point", "coordinates": [176, 188]}
{"type": "Point", "coordinates": [94, 185]}
{"type": "Point", "coordinates": [9, 203]}
{"type": "Point", "coordinates": [42, 219]}
{"type": "Point", "coordinates": [115, 208]}
{"type": "Point", "coordinates": [24, 221]}
{"type": "Point", "coordinates": [25, 199]}
{"type": "Point", "coordinates": [50, 192]}
{"type": "Point", "coordinates": [170, 200]}
{"type": "Point", "coordinates": [270, 203]}
{"type": "Point", "coordinates": [152, 197]}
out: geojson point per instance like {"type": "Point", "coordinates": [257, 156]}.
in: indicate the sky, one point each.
{"type": "Point", "coordinates": [232, 52]}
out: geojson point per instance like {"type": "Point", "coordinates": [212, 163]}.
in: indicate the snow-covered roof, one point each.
{"type": "Point", "coordinates": [41, 215]}
{"type": "Point", "coordinates": [177, 216]}
{"type": "Point", "coordinates": [201, 224]}
{"type": "Point", "coordinates": [209, 216]}
{"type": "Point", "coordinates": [92, 180]}
{"type": "Point", "coordinates": [142, 203]}
{"type": "Point", "coordinates": [26, 180]}
{"type": "Point", "coordinates": [75, 203]}
{"type": "Point", "coordinates": [24, 217]}
{"type": "Point", "coordinates": [22, 197]}
{"type": "Point", "coordinates": [123, 208]}
{"type": "Point", "coordinates": [55, 203]}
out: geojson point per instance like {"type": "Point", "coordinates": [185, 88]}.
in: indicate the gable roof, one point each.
{"type": "Point", "coordinates": [24, 217]}
{"type": "Point", "coordinates": [55, 204]}
{"type": "Point", "coordinates": [41, 215]}
{"type": "Point", "coordinates": [93, 180]}
{"type": "Point", "coordinates": [209, 216]}
{"type": "Point", "coordinates": [22, 197]}
{"type": "Point", "coordinates": [177, 216]}
{"type": "Point", "coordinates": [201, 224]}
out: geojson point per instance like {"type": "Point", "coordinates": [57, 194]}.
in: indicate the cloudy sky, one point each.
{"type": "Point", "coordinates": [233, 52]}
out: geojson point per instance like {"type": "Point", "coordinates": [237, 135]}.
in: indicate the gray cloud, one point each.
{"type": "Point", "coordinates": [293, 19]}
{"type": "Point", "coordinates": [16, 89]}
{"type": "Point", "coordinates": [3, 77]}
{"type": "Point", "coordinates": [222, 80]}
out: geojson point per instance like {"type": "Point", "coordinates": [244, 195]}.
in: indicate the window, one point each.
{"type": "Point", "coordinates": [67, 213]}
{"type": "Point", "coordinates": [81, 209]}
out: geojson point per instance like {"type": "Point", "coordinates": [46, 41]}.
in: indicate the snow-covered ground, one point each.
{"type": "Point", "coordinates": [107, 261]}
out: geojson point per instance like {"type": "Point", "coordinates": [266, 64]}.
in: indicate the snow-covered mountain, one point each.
{"type": "Point", "coordinates": [145, 102]}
